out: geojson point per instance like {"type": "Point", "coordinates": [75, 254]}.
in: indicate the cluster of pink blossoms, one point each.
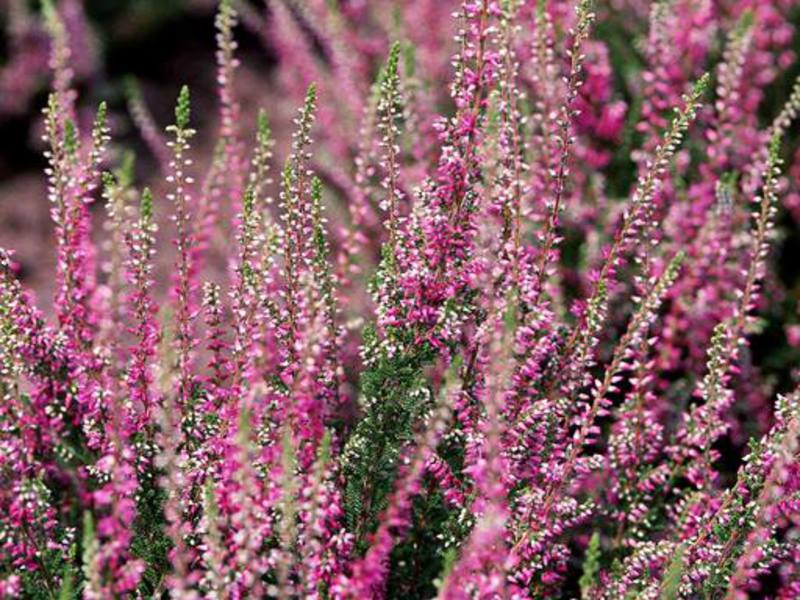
{"type": "Point", "coordinates": [453, 352]}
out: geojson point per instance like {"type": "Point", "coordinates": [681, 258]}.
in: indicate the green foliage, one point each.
{"type": "Point", "coordinates": [263, 129]}
{"type": "Point", "coordinates": [109, 182]}
{"type": "Point", "coordinates": [101, 117]}
{"type": "Point", "coordinates": [225, 6]}
{"type": "Point", "coordinates": [67, 590]}
{"type": "Point", "coordinates": [70, 137]}
{"type": "Point", "coordinates": [310, 104]}
{"type": "Point", "coordinates": [132, 90]}
{"type": "Point", "coordinates": [183, 109]}
{"type": "Point", "coordinates": [51, 18]}
{"type": "Point", "coordinates": [287, 526]}
{"type": "Point", "coordinates": [745, 24]}
{"type": "Point", "coordinates": [320, 239]}
{"type": "Point", "coordinates": [449, 559]}
{"type": "Point", "coordinates": [591, 565]}
{"type": "Point", "coordinates": [390, 71]}
{"type": "Point", "coordinates": [150, 542]}
{"type": "Point", "coordinates": [420, 559]}
{"type": "Point", "coordinates": [671, 582]}
{"type": "Point", "coordinates": [396, 394]}
{"type": "Point", "coordinates": [146, 206]}
{"type": "Point", "coordinates": [409, 59]}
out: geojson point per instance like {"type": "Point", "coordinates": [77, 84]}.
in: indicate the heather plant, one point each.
{"type": "Point", "coordinates": [489, 339]}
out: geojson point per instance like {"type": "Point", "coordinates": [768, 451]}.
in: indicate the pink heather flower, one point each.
{"type": "Point", "coordinates": [499, 328]}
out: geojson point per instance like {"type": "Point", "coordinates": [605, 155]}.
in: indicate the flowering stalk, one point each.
{"type": "Point", "coordinates": [141, 249]}
{"type": "Point", "coordinates": [60, 55]}
{"type": "Point", "coordinates": [482, 568]}
{"type": "Point", "coordinates": [184, 285]}
{"type": "Point", "coordinates": [637, 220]}
{"type": "Point", "coordinates": [116, 193]}
{"type": "Point", "coordinates": [585, 17]}
{"type": "Point", "coordinates": [705, 422]}
{"type": "Point", "coordinates": [223, 185]}
{"type": "Point", "coordinates": [297, 227]}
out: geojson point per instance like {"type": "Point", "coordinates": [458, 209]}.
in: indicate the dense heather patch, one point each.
{"type": "Point", "coordinates": [482, 375]}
